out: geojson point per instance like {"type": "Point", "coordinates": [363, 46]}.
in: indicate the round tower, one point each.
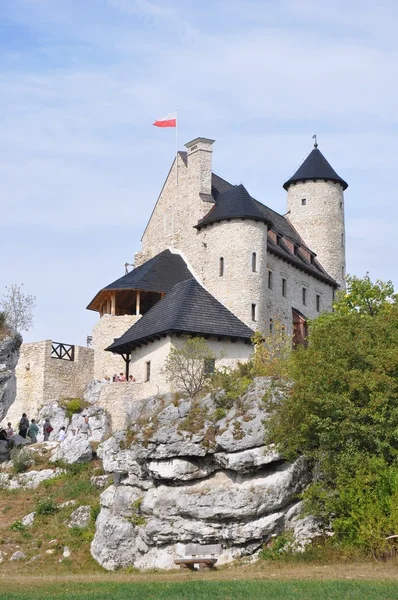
{"type": "Point", "coordinates": [315, 204]}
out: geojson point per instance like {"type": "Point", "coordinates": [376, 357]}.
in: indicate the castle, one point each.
{"type": "Point", "coordinates": [217, 263]}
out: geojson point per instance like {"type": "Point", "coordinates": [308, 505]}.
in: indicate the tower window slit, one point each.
{"type": "Point", "coordinates": [270, 280]}
{"type": "Point", "coordinates": [304, 295]}
{"type": "Point", "coordinates": [221, 267]}
{"type": "Point", "coordinates": [318, 303]}
{"type": "Point", "coordinates": [254, 310]}
{"type": "Point", "coordinates": [254, 262]}
{"type": "Point", "coordinates": [284, 286]}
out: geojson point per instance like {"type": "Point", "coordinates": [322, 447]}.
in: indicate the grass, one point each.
{"type": "Point", "coordinates": [206, 590]}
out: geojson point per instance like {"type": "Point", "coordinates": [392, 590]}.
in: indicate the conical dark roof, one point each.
{"type": "Point", "coordinates": [234, 203]}
{"type": "Point", "coordinates": [315, 166]}
{"type": "Point", "coordinates": [187, 309]}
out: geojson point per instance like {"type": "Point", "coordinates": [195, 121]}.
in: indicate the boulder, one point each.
{"type": "Point", "coordinates": [30, 479]}
{"type": "Point", "coordinates": [18, 440]}
{"type": "Point", "coordinates": [58, 418]}
{"type": "Point", "coordinates": [9, 355]}
{"type": "Point", "coordinates": [18, 555]}
{"type": "Point", "coordinates": [74, 449]}
{"type": "Point", "coordinates": [113, 545]}
{"type": "Point", "coordinates": [28, 520]}
{"type": "Point", "coordinates": [80, 517]}
{"type": "Point", "coordinates": [100, 481]}
{"type": "Point", "coordinates": [247, 460]}
{"type": "Point", "coordinates": [66, 552]}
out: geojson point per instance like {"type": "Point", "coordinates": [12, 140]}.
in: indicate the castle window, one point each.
{"type": "Point", "coordinates": [284, 286]}
{"type": "Point", "coordinates": [341, 206]}
{"type": "Point", "coordinates": [254, 316]}
{"type": "Point", "coordinates": [312, 259]}
{"type": "Point", "coordinates": [270, 280]}
{"type": "Point", "coordinates": [318, 303]}
{"type": "Point", "coordinates": [283, 332]}
{"type": "Point", "coordinates": [296, 250]}
{"type": "Point", "coordinates": [342, 272]}
{"type": "Point", "coordinates": [254, 262]}
{"type": "Point", "coordinates": [342, 239]}
{"type": "Point", "coordinates": [148, 370]}
{"type": "Point", "coordinates": [209, 366]}
{"type": "Point", "coordinates": [278, 239]}
{"type": "Point", "coordinates": [303, 201]}
{"type": "Point", "coordinates": [304, 295]}
{"type": "Point", "coordinates": [221, 267]}
{"type": "Point", "coordinates": [271, 325]}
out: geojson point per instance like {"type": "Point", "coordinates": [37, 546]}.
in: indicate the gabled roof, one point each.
{"type": "Point", "coordinates": [187, 309]}
{"type": "Point", "coordinates": [315, 167]}
{"type": "Point", "coordinates": [158, 274]}
{"type": "Point", "coordinates": [234, 203]}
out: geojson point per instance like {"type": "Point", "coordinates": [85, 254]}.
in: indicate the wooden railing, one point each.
{"type": "Point", "coordinates": [62, 351]}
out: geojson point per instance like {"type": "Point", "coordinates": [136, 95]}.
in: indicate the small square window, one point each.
{"type": "Point", "coordinates": [254, 310]}
{"type": "Point", "coordinates": [303, 201]}
{"type": "Point", "coordinates": [148, 370]}
{"type": "Point", "coordinates": [296, 250]}
{"type": "Point", "coordinates": [304, 295]}
{"type": "Point", "coordinates": [284, 286]}
{"type": "Point", "coordinates": [278, 239]}
{"type": "Point", "coordinates": [270, 280]}
{"type": "Point", "coordinates": [318, 303]}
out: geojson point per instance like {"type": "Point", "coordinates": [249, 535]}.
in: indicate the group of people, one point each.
{"type": "Point", "coordinates": [31, 430]}
{"type": "Point", "coordinates": [116, 378]}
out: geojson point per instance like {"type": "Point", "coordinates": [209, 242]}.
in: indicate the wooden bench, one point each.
{"type": "Point", "coordinates": [205, 556]}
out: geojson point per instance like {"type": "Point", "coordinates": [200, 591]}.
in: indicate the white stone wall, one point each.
{"type": "Point", "coordinates": [155, 353]}
{"type": "Point", "coordinates": [41, 378]}
{"type": "Point", "coordinates": [105, 331]}
{"type": "Point", "coordinates": [235, 241]}
{"type": "Point", "coordinates": [278, 307]}
{"type": "Point", "coordinates": [320, 222]}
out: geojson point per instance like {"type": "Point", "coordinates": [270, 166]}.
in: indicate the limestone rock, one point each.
{"type": "Point", "coordinates": [113, 545]}
{"type": "Point", "coordinates": [18, 555]}
{"type": "Point", "coordinates": [100, 481]}
{"type": "Point", "coordinates": [9, 354]}
{"type": "Point", "coordinates": [93, 390]}
{"type": "Point", "coordinates": [98, 420]}
{"type": "Point", "coordinates": [58, 418]}
{"type": "Point", "coordinates": [247, 460]}
{"type": "Point", "coordinates": [74, 449]}
{"type": "Point", "coordinates": [31, 479]}
{"type": "Point", "coordinates": [67, 503]}
{"type": "Point", "coordinates": [3, 556]}
{"type": "Point", "coordinates": [80, 517]}
{"type": "Point", "coordinates": [4, 451]}
{"type": "Point", "coordinates": [304, 528]}
{"type": "Point", "coordinates": [181, 469]}
{"type": "Point", "coordinates": [66, 552]}
{"type": "Point", "coordinates": [19, 440]}
{"type": "Point", "coordinates": [28, 520]}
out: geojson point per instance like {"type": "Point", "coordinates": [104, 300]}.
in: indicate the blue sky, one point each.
{"type": "Point", "coordinates": [81, 165]}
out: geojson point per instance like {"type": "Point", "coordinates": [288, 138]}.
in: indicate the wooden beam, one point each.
{"type": "Point", "coordinates": [113, 303]}
{"type": "Point", "coordinates": [137, 302]}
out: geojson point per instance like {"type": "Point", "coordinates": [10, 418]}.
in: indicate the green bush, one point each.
{"type": "Point", "coordinates": [74, 406]}
{"type": "Point", "coordinates": [21, 460]}
{"type": "Point", "coordinates": [17, 526]}
{"type": "Point", "coordinates": [46, 506]}
{"type": "Point", "coordinates": [277, 547]}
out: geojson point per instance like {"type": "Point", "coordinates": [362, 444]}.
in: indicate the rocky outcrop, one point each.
{"type": "Point", "coordinates": [183, 475]}
{"type": "Point", "coordinates": [98, 420]}
{"type": "Point", "coordinates": [30, 479]}
{"type": "Point", "coordinates": [9, 354]}
{"type": "Point", "coordinates": [74, 449]}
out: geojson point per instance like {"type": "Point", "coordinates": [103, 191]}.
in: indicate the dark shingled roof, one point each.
{"type": "Point", "coordinates": [187, 309]}
{"type": "Point", "coordinates": [315, 166]}
{"type": "Point", "coordinates": [234, 203]}
{"type": "Point", "coordinates": [158, 274]}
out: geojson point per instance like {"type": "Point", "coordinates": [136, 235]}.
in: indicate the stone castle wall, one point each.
{"type": "Point", "coordinates": [41, 378]}
{"type": "Point", "coordinates": [320, 222]}
{"type": "Point", "coordinates": [105, 331]}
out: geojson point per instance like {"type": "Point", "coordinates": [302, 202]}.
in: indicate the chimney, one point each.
{"type": "Point", "coordinates": [199, 166]}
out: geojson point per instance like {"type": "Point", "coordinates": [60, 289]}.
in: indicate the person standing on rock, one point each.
{"type": "Point", "coordinates": [33, 431]}
{"type": "Point", "coordinates": [62, 434]}
{"type": "Point", "coordinates": [23, 426]}
{"type": "Point", "coordinates": [85, 428]}
{"type": "Point", "coordinates": [47, 429]}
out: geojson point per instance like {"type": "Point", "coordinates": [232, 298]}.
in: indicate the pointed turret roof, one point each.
{"type": "Point", "coordinates": [187, 309]}
{"type": "Point", "coordinates": [234, 203]}
{"type": "Point", "coordinates": [315, 167]}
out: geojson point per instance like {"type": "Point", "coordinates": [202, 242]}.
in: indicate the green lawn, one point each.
{"type": "Point", "coordinates": [207, 590]}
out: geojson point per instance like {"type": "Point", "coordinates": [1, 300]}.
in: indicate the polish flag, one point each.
{"type": "Point", "coordinates": [168, 121]}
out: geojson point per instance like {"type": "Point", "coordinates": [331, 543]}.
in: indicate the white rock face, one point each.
{"type": "Point", "coordinates": [9, 354]}
{"type": "Point", "coordinates": [92, 392]}
{"type": "Point", "coordinates": [211, 483]}
{"type": "Point", "coordinates": [80, 517]}
{"type": "Point", "coordinates": [28, 520]}
{"type": "Point", "coordinates": [18, 555]}
{"type": "Point", "coordinates": [66, 553]}
{"type": "Point", "coordinates": [31, 479]}
{"type": "Point", "coordinates": [74, 449]}
{"type": "Point", "coordinates": [98, 421]}
{"type": "Point", "coordinates": [58, 418]}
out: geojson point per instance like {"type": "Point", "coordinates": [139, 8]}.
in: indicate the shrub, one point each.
{"type": "Point", "coordinates": [277, 547]}
{"type": "Point", "coordinates": [188, 366]}
{"type": "Point", "coordinates": [17, 526]}
{"type": "Point", "coordinates": [74, 406]}
{"type": "Point", "coordinates": [21, 459]}
{"type": "Point", "coordinates": [46, 506]}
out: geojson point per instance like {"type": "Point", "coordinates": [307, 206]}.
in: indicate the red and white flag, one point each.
{"type": "Point", "coordinates": [168, 121]}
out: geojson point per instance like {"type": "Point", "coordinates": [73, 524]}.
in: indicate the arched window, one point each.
{"type": "Point", "coordinates": [254, 262]}
{"type": "Point", "coordinates": [221, 267]}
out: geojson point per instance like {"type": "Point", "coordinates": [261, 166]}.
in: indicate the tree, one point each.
{"type": "Point", "coordinates": [342, 414]}
{"type": "Point", "coordinates": [18, 308]}
{"type": "Point", "coordinates": [363, 296]}
{"type": "Point", "coordinates": [189, 365]}
{"type": "Point", "coordinates": [272, 350]}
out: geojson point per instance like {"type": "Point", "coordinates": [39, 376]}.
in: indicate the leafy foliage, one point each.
{"type": "Point", "coordinates": [21, 460]}
{"type": "Point", "coordinates": [46, 506]}
{"type": "Point", "coordinates": [364, 297]}
{"type": "Point", "coordinates": [342, 414]}
{"type": "Point", "coordinates": [272, 351]}
{"type": "Point", "coordinates": [74, 406]}
{"type": "Point", "coordinates": [18, 308]}
{"type": "Point", "coordinates": [186, 367]}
